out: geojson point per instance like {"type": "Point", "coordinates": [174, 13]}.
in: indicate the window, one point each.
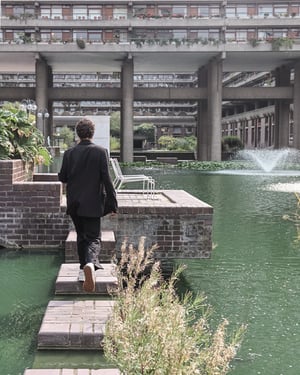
{"type": "Point", "coordinates": [179, 34]}
{"type": "Point", "coordinates": [241, 11]}
{"type": "Point", "coordinates": [230, 12]}
{"type": "Point", "coordinates": [230, 36]}
{"type": "Point", "coordinates": [203, 34]}
{"type": "Point", "coordinates": [56, 35]}
{"type": "Point", "coordinates": [280, 10]}
{"type": "Point", "coordinates": [94, 35]}
{"type": "Point", "coordinates": [45, 35]}
{"type": "Point", "coordinates": [241, 35]}
{"type": "Point", "coordinates": [265, 10]}
{"type": "Point", "coordinates": [203, 11]}
{"type": "Point", "coordinates": [179, 11]}
{"type": "Point", "coordinates": [165, 11]}
{"type": "Point", "coordinates": [56, 12]}
{"type": "Point", "coordinates": [215, 12]}
{"type": "Point", "coordinates": [95, 13]}
{"type": "Point", "coordinates": [120, 13]}
{"type": "Point", "coordinates": [79, 13]}
{"type": "Point", "coordinates": [80, 34]}
{"type": "Point", "coordinates": [45, 12]}
{"type": "Point", "coordinates": [164, 34]}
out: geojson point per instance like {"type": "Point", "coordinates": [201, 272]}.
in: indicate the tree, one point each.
{"type": "Point", "coordinates": [146, 130]}
{"type": "Point", "coordinates": [67, 135]}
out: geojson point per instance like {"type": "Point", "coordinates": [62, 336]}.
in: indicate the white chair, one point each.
{"type": "Point", "coordinates": [121, 179]}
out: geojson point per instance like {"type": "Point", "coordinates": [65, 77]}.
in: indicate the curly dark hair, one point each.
{"type": "Point", "coordinates": [85, 128]}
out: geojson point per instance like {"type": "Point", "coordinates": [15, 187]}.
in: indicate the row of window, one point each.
{"type": "Point", "coordinates": [98, 12]}
{"type": "Point", "coordinates": [146, 36]}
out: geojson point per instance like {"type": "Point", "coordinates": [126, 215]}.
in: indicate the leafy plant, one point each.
{"type": "Point", "coordinates": [114, 143]}
{"type": "Point", "coordinates": [152, 331]}
{"type": "Point", "coordinates": [80, 43]}
{"type": "Point", "coordinates": [146, 130]}
{"type": "Point", "coordinates": [67, 135]}
{"type": "Point", "coordinates": [177, 144]}
{"type": "Point", "coordinates": [19, 138]}
{"type": "Point", "coordinates": [278, 43]}
{"type": "Point", "coordinates": [253, 42]}
{"type": "Point", "coordinates": [232, 143]}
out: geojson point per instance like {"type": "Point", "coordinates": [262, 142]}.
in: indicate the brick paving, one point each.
{"type": "Point", "coordinates": [67, 280]}
{"type": "Point", "coordinates": [72, 324]}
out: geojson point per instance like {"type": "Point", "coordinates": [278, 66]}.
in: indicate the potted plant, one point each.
{"type": "Point", "coordinates": [20, 139]}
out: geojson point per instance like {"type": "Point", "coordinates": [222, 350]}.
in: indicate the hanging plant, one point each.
{"type": "Point", "coordinates": [80, 43]}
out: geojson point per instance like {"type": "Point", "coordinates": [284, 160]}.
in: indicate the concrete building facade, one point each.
{"type": "Point", "coordinates": [208, 40]}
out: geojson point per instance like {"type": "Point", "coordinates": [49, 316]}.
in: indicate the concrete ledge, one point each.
{"type": "Point", "coordinates": [74, 324]}
{"type": "Point", "coordinates": [67, 279]}
{"type": "Point", "coordinates": [68, 371]}
{"type": "Point", "coordinates": [167, 159]}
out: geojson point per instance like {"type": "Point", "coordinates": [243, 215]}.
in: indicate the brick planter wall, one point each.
{"type": "Point", "coordinates": [30, 212]}
{"type": "Point", "coordinates": [180, 224]}
{"type": "Point", "coordinates": [32, 215]}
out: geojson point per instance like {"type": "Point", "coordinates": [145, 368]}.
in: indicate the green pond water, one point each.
{"type": "Point", "coordinates": [253, 277]}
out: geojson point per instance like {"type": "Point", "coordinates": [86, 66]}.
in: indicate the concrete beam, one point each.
{"type": "Point", "coordinates": [170, 93]}
{"type": "Point", "coordinates": [239, 93]}
{"type": "Point", "coordinates": [115, 94]}
{"type": "Point", "coordinates": [84, 93]}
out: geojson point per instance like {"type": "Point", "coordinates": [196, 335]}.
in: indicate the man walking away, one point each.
{"type": "Point", "coordinates": [90, 195]}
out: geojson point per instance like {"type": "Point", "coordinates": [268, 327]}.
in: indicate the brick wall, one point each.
{"type": "Point", "coordinates": [32, 214]}
{"type": "Point", "coordinates": [180, 224]}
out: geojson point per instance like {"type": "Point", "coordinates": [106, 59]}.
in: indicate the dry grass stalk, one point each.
{"type": "Point", "coordinates": [152, 331]}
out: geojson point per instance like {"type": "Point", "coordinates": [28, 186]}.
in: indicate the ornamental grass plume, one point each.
{"type": "Point", "coordinates": [152, 331]}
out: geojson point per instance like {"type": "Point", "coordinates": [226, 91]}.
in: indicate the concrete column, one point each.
{"type": "Point", "coordinates": [202, 123]}
{"type": "Point", "coordinates": [214, 107]}
{"type": "Point", "coordinates": [282, 110]}
{"type": "Point", "coordinates": [296, 128]}
{"type": "Point", "coordinates": [41, 94]}
{"type": "Point", "coordinates": [127, 111]}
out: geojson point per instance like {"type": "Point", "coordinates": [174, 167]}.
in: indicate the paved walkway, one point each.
{"type": "Point", "coordinates": [72, 324]}
{"type": "Point", "coordinates": [67, 280]}
{"type": "Point", "coordinates": [76, 324]}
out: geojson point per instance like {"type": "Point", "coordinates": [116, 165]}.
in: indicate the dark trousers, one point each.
{"type": "Point", "coordinates": [88, 239]}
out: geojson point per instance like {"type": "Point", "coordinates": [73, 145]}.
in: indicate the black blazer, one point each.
{"type": "Point", "coordinates": [90, 190]}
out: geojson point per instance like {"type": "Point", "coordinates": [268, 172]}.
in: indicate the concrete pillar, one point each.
{"type": "Point", "coordinates": [127, 111]}
{"type": "Point", "coordinates": [282, 110]}
{"type": "Point", "coordinates": [214, 108]}
{"type": "Point", "coordinates": [202, 121]}
{"type": "Point", "coordinates": [296, 127]}
{"type": "Point", "coordinates": [41, 94]}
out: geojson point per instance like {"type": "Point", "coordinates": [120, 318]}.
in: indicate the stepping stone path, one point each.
{"type": "Point", "coordinates": [71, 323]}
{"type": "Point", "coordinates": [67, 280]}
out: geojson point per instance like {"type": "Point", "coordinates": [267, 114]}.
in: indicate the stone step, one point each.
{"type": "Point", "coordinates": [67, 371]}
{"type": "Point", "coordinates": [74, 324]}
{"type": "Point", "coordinates": [67, 279]}
{"type": "Point", "coordinates": [108, 243]}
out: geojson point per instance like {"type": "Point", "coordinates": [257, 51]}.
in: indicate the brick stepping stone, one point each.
{"type": "Point", "coordinates": [67, 371]}
{"type": "Point", "coordinates": [74, 324]}
{"type": "Point", "coordinates": [67, 279]}
{"type": "Point", "coordinates": [108, 243]}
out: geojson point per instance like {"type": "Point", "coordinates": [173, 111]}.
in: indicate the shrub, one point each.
{"type": "Point", "coordinates": [19, 137]}
{"type": "Point", "coordinates": [232, 144]}
{"type": "Point", "coordinates": [152, 331]}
